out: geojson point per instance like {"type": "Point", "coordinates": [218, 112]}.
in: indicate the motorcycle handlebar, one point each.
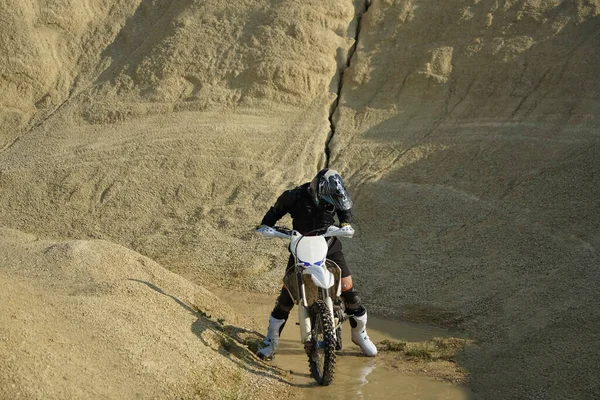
{"type": "Point", "coordinates": [283, 230]}
{"type": "Point", "coordinates": [345, 231]}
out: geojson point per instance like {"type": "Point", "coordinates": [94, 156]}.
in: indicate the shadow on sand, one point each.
{"type": "Point", "coordinates": [235, 342]}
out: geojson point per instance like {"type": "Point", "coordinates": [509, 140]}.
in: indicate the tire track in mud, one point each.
{"type": "Point", "coordinates": [359, 12]}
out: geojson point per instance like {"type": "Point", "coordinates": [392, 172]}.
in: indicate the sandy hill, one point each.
{"type": "Point", "coordinates": [471, 129]}
{"type": "Point", "coordinates": [467, 132]}
{"type": "Point", "coordinates": [91, 319]}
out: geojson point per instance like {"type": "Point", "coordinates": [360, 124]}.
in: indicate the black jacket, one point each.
{"type": "Point", "coordinates": [306, 215]}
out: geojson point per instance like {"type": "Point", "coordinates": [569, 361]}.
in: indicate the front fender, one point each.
{"type": "Point", "coordinates": [320, 276]}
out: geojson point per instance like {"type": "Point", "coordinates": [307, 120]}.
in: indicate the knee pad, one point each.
{"type": "Point", "coordinates": [353, 303]}
{"type": "Point", "coordinates": [283, 306]}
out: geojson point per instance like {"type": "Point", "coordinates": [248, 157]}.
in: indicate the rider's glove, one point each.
{"type": "Point", "coordinates": [345, 226]}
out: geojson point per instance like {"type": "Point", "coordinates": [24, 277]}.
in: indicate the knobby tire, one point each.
{"type": "Point", "coordinates": [321, 353]}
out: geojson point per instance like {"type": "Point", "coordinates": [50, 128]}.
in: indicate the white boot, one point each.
{"type": "Point", "coordinates": [266, 350]}
{"type": "Point", "coordinates": [359, 335]}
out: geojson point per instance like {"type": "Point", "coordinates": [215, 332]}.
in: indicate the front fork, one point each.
{"type": "Point", "coordinates": [304, 316]}
{"type": "Point", "coordinates": [304, 322]}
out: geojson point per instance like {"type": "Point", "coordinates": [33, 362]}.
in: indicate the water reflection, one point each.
{"type": "Point", "coordinates": [364, 372]}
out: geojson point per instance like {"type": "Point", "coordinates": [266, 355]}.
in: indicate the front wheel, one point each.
{"type": "Point", "coordinates": [321, 348]}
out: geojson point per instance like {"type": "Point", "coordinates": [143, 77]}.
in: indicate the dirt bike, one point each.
{"type": "Point", "coordinates": [314, 283]}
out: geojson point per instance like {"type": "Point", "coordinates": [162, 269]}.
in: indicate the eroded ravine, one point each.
{"type": "Point", "coordinates": [360, 10]}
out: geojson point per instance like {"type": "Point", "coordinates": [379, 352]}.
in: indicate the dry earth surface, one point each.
{"type": "Point", "coordinates": [142, 140]}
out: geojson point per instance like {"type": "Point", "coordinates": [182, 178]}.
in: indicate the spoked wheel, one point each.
{"type": "Point", "coordinates": [321, 348]}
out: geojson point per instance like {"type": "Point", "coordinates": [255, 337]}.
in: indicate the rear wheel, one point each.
{"type": "Point", "coordinates": [321, 348]}
{"type": "Point", "coordinates": [339, 317]}
{"type": "Point", "coordinates": [338, 339]}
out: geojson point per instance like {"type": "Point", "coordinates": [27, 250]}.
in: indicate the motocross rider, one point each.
{"type": "Point", "coordinates": [312, 207]}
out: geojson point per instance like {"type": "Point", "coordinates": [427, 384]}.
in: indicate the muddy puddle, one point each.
{"type": "Point", "coordinates": [356, 377]}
